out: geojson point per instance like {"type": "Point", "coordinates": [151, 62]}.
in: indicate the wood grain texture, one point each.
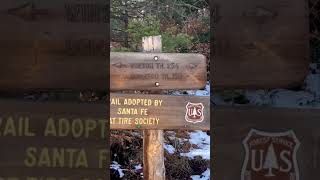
{"type": "Point", "coordinates": [170, 115]}
{"type": "Point", "coordinates": [232, 125]}
{"type": "Point", "coordinates": [30, 19]}
{"type": "Point", "coordinates": [42, 68]}
{"type": "Point", "coordinates": [53, 45]}
{"type": "Point", "coordinates": [153, 155]}
{"type": "Point", "coordinates": [140, 71]}
{"type": "Point", "coordinates": [30, 132]}
{"type": "Point", "coordinates": [153, 140]}
{"type": "Point", "coordinates": [260, 44]}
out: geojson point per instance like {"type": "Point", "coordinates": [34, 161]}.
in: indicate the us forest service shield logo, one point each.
{"type": "Point", "coordinates": [194, 112]}
{"type": "Point", "coordinates": [270, 156]}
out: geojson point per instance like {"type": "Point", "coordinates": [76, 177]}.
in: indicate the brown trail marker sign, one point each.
{"type": "Point", "coordinates": [260, 44]}
{"type": "Point", "coordinates": [53, 141]}
{"type": "Point", "coordinates": [139, 111]}
{"type": "Point", "coordinates": [140, 71]}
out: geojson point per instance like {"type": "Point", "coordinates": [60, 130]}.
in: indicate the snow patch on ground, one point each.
{"type": "Point", "coordinates": [204, 92]}
{"type": "Point", "coordinates": [116, 166]}
{"type": "Point", "coordinates": [202, 142]}
{"type": "Point", "coordinates": [137, 167]}
{"type": "Point", "coordinates": [204, 176]}
{"type": "Point", "coordinates": [170, 149]}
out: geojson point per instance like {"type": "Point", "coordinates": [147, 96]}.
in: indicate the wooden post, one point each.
{"type": "Point", "coordinates": [153, 141]}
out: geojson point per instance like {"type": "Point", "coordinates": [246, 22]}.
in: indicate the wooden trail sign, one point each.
{"type": "Point", "coordinates": [295, 137]}
{"type": "Point", "coordinates": [145, 71]}
{"type": "Point", "coordinates": [53, 140]}
{"type": "Point", "coordinates": [260, 44]}
{"type": "Point", "coordinates": [140, 111]}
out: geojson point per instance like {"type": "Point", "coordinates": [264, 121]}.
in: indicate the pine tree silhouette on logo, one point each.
{"type": "Point", "coordinates": [194, 112]}
{"type": "Point", "coordinates": [271, 161]}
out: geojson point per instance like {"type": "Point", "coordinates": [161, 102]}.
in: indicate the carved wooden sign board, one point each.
{"type": "Point", "coordinates": [260, 44]}
{"type": "Point", "coordinates": [42, 141]}
{"type": "Point", "coordinates": [145, 71]}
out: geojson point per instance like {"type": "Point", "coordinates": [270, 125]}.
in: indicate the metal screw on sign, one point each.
{"type": "Point", "coordinates": [157, 84]}
{"type": "Point", "coordinates": [138, 126]}
{"type": "Point", "coordinates": [156, 58]}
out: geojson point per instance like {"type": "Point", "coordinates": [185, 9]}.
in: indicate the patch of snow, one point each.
{"type": "Point", "coordinates": [259, 97]}
{"type": "Point", "coordinates": [170, 149]}
{"type": "Point", "coordinates": [294, 99]}
{"type": "Point", "coordinates": [176, 93]}
{"type": "Point", "coordinates": [202, 141]}
{"type": "Point", "coordinates": [312, 84]}
{"type": "Point", "coordinates": [170, 133]}
{"type": "Point", "coordinates": [207, 88]}
{"type": "Point", "coordinates": [137, 167]}
{"type": "Point", "coordinates": [204, 176]}
{"type": "Point", "coordinates": [116, 166]}
{"type": "Point", "coordinates": [307, 97]}
{"type": "Point", "coordinates": [201, 93]}
{"type": "Point", "coordinates": [205, 92]}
